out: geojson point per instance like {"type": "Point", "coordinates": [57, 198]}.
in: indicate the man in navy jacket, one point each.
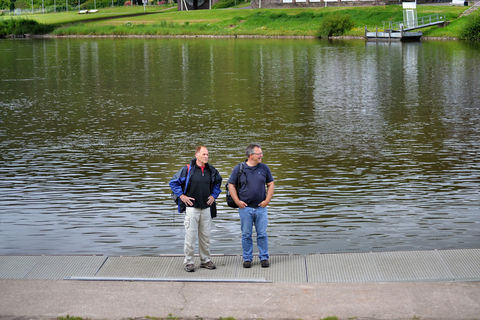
{"type": "Point", "coordinates": [196, 186]}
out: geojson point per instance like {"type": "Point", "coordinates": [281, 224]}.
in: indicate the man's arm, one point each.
{"type": "Point", "coordinates": [176, 186]}
{"type": "Point", "coordinates": [236, 199]}
{"type": "Point", "coordinates": [270, 189]}
{"type": "Point", "coordinates": [177, 181]}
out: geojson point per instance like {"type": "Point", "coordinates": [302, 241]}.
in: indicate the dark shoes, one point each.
{"type": "Point", "coordinates": [189, 267]}
{"type": "Point", "coordinates": [208, 265]}
{"type": "Point", "coordinates": [263, 263]}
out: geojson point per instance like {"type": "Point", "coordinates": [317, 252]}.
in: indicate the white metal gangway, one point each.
{"type": "Point", "coordinates": [417, 23]}
{"type": "Point", "coordinates": [411, 21]}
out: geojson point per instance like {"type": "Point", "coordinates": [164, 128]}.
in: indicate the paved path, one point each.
{"type": "Point", "coordinates": [438, 284]}
{"type": "Point", "coordinates": [470, 10]}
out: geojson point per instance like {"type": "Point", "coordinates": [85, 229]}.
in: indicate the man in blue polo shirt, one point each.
{"type": "Point", "coordinates": [247, 187]}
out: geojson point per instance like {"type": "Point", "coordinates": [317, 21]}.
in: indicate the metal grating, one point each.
{"type": "Point", "coordinates": [435, 265]}
{"type": "Point", "coordinates": [283, 268]}
{"type": "Point", "coordinates": [352, 267]}
{"type": "Point", "coordinates": [411, 266]}
{"type": "Point", "coordinates": [48, 267]}
{"type": "Point", "coordinates": [463, 264]}
{"type": "Point", "coordinates": [169, 268]}
{"type": "Point", "coordinates": [16, 267]}
{"type": "Point", "coordinates": [226, 269]}
{"type": "Point", "coordinates": [140, 267]}
{"type": "Point", "coordinates": [61, 267]}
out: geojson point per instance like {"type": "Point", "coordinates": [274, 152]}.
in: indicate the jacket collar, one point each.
{"type": "Point", "coordinates": [193, 163]}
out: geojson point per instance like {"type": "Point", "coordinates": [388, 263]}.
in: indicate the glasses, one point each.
{"type": "Point", "coordinates": [258, 153]}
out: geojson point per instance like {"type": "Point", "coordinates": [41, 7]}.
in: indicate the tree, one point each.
{"type": "Point", "coordinates": [471, 31]}
{"type": "Point", "coordinates": [4, 4]}
{"type": "Point", "coordinates": [22, 4]}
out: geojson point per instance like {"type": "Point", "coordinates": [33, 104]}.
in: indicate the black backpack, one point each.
{"type": "Point", "coordinates": [230, 201]}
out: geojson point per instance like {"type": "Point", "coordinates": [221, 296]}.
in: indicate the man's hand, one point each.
{"type": "Point", "coordinates": [210, 200]}
{"type": "Point", "coordinates": [187, 200]}
{"type": "Point", "coordinates": [270, 187]}
{"type": "Point", "coordinates": [263, 204]}
{"type": "Point", "coordinates": [233, 193]}
{"type": "Point", "coordinates": [241, 204]}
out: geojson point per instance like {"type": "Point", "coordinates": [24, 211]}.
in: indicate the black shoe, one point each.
{"type": "Point", "coordinates": [247, 264]}
{"type": "Point", "coordinates": [265, 263]}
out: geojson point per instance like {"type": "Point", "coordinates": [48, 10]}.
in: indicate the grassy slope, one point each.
{"type": "Point", "coordinates": [61, 18]}
{"type": "Point", "coordinates": [270, 22]}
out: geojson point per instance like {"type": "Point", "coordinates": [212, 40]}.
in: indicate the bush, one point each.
{"type": "Point", "coordinates": [20, 27]}
{"type": "Point", "coordinates": [278, 15]}
{"type": "Point", "coordinates": [224, 4]}
{"type": "Point", "coordinates": [305, 15]}
{"type": "Point", "coordinates": [471, 31]}
{"type": "Point", "coordinates": [335, 25]}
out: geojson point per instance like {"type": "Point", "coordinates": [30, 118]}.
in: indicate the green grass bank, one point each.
{"type": "Point", "coordinates": [156, 21]}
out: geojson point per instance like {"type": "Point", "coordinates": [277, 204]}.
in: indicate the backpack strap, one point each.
{"type": "Point", "coordinates": [240, 172]}
{"type": "Point", "coordinates": [186, 177]}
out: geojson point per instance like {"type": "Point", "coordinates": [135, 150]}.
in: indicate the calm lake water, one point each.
{"type": "Point", "coordinates": [373, 146]}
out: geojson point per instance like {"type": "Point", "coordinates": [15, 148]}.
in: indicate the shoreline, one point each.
{"type": "Point", "coordinates": [193, 36]}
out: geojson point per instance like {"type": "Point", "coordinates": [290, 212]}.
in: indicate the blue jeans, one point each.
{"type": "Point", "coordinates": [258, 217]}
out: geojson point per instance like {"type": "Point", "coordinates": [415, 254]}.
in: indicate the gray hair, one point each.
{"type": "Point", "coordinates": [250, 149]}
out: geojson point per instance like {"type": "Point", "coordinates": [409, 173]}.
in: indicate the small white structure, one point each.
{"type": "Point", "coordinates": [410, 14]}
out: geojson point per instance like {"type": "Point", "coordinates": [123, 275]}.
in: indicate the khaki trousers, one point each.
{"type": "Point", "coordinates": [197, 223]}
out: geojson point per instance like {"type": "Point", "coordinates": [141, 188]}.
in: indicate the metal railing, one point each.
{"type": "Point", "coordinates": [418, 23]}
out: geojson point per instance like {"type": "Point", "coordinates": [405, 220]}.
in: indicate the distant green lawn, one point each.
{"type": "Point", "coordinates": [268, 22]}
{"type": "Point", "coordinates": [60, 18]}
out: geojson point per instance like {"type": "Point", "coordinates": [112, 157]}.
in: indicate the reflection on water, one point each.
{"type": "Point", "coordinates": [374, 146]}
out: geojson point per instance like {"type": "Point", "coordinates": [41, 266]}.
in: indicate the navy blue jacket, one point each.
{"type": "Point", "coordinates": [180, 180]}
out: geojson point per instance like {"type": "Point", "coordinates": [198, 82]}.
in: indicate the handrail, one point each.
{"type": "Point", "coordinates": [420, 22]}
